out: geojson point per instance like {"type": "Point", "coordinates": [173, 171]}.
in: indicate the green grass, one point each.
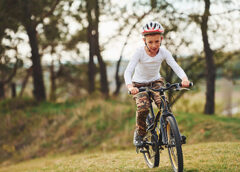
{"type": "Point", "coordinates": [86, 125]}
{"type": "Point", "coordinates": [205, 128]}
{"type": "Point", "coordinates": [31, 107]}
{"type": "Point", "coordinates": [205, 157]}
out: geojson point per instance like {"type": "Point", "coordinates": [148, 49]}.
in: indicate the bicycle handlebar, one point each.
{"type": "Point", "coordinates": [169, 86]}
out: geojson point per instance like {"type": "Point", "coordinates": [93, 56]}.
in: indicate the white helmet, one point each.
{"type": "Point", "coordinates": [152, 28]}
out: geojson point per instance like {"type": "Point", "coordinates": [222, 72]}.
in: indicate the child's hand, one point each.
{"type": "Point", "coordinates": [132, 89]}
{"type": "Point", "coordinates": [185, 82]}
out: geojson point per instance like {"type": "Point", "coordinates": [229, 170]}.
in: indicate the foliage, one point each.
{"type": "Point", "coordinates": [62, 32]}
{"type": "Point", "coordinates": [72, 81]}
{"type": "Point", "coordinates": [231, 65]}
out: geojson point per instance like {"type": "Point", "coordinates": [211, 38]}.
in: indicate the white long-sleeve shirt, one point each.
{"type": "Point", "coordinates": [147, 68]}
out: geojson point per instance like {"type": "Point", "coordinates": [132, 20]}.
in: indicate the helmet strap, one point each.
{"type": "Point", "coordinates": [161, 41]}
{"type": "Point", "coordinates": [147, 47]}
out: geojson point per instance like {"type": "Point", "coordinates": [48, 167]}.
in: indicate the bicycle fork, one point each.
{"type": "Point", "coordinates": [164, 127]}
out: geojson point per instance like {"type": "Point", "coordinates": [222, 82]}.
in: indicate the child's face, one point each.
{"type": "Point", "coordinates": [153, 42]}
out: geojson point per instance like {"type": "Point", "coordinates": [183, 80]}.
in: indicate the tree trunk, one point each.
{"type": "Point", "coordinates": [38, 83]}
{"type": "Point", "coordinates": [117, 78]}
{"type": "Point", "coordinates": [94, 48]}
{"type": "Point", "coordinates": [2, 91]}
{"type": "Point", "coordinates": [24, 83]}
{"type": "Point", "coordinates": [103, 73]}
{"type": "Point", "coordinates": [13, 90]}
{"type": "Point", "coordinates": [210, 71]}
{"type": "Point", "coordinates": [53, 83]}
{"type": "Point", "coordinates": [91, 66]}
{"type": "Point", "coordinates": [39, 89]}
{"type": "Point", "coordinates": [103, 70]}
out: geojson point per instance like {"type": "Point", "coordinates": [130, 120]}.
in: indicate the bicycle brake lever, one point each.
{"type": "Point", "coordinates": [177, 89]}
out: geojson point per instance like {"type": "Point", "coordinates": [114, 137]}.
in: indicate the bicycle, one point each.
{"type": "Point", "coordinates": [163, 133]}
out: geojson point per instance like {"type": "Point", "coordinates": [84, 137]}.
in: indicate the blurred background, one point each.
{"type": "Point", "coordinates": [62, 64]}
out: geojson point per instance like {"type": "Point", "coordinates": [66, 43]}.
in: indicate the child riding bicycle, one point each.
{"type": "Point", "coordinates": [146, 62]}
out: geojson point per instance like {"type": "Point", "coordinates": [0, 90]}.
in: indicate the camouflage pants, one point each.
{"type": "Point", "coordinates": [143, 104]}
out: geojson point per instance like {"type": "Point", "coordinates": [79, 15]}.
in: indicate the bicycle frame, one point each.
{"type": "Point", "coordinates": [164, 110]}
{"type": "Point", "coordinates": [166, 135]}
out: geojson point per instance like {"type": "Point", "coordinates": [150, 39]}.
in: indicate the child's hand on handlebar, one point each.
{"type": "Point", "coordinates": [185, 82]}
{"type": "Point", "coordinates": [132, 89]}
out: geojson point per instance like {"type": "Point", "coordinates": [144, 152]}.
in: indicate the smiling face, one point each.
{"type": "Point", "coordinates": [153, 42]}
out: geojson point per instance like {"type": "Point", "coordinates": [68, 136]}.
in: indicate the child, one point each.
{"type": "Point", "coordinates": [146, 62]}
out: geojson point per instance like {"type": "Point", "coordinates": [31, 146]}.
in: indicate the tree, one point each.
{"type": "Point", "coordinates": [29, 14]}
{"type": "Point", "coordinates": [25, 81]}
{"type": "Point", "coordinates": [93, 14]}
{"type": "Point", "coordinates": [7, 74]}
{"type": "Point", "coordinates": [216, 25]}
{"type": "Point", "coordinates": [54, 36]}
{"type": "Point", "coordinates": [8, 69]}
{"type": "Point", "coordinates": [91, 42]}
{"type": "Point", "coordinates": [211, 70]}
{"type": "Point", "coordinates": [89, 12]}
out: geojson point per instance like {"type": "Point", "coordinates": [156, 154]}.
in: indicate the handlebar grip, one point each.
{"type": "Point", "coordinates": [139, 90]}
{"type": "Point", "coordinates": [190, 84]}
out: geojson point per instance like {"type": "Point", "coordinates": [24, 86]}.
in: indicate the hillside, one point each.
{"type": "Point", "coordinates": [30, 130]}
{"type": "Point", "coordinates": [206, 157]}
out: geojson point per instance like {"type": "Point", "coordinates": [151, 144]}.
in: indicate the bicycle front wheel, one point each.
{"type": "Point", "coordinates": [174, 145]}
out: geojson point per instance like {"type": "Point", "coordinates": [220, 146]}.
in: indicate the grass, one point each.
{"type": "Point", "coordinates": [31, 107]}
{"type": "Point", "coordinates": [204, 157]}
{"type": "Point", "coordinates": [205, 128]}
{"type": "Point", "coordinates": [91, 125]}
{"type": "Point", "coordinates": [44, 128]}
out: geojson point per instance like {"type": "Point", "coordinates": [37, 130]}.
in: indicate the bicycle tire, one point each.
{"type": "Point", "coordinates": [174, 145]}
{"type": "Point", "coordinates": [151, 154]}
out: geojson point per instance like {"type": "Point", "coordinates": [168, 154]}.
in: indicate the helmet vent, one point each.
{"type": "Point", "coordinates": [154, 25]}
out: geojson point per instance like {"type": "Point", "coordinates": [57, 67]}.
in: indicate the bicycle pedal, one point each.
{"type": "Point", "coordinates": [143, 151]}
{"type": "Point", "coordinates": [183, 139]}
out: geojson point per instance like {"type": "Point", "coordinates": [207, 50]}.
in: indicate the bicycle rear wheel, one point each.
{"type": "Point", "coordinates": [151, 152]}
{"type": "Point", "coordinates": [174, 145]}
